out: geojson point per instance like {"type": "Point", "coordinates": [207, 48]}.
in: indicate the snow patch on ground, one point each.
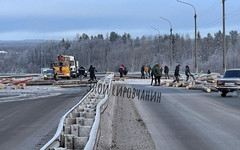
{"type": "Point", "coordinates": [32, 92]}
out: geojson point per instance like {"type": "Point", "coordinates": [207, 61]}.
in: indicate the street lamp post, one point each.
{"type": "Point", "coordinates": [195, 25]}
{"type": "Point", "coordinates": [171, 57]}
{"type": "Point", "coordinates": [224, 38]}
{"type": "Point", "coordinates": [158, 55]}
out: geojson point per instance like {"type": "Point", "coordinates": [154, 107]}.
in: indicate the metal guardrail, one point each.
{"type": "Point", "coordinates": [95, 126]}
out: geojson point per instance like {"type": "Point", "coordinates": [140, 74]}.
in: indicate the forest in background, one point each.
{"type": "Point", "coordinates": [107, 53]}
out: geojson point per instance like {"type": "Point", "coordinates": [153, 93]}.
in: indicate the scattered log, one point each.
{"type": "Point", "coordinates": [20, 86]}
{"type": "Point", "coordinates": [74, 85]}
{"type": "Point", "coordinates": [213, 88]}
{"type": "Point", "coordinates": [6, 81]}
{"type": "Point", "coordinates": [194, 87]}
{"type": "Point", "coordinates": [206, 89]}
{"type": "Point", "coordinates": [169, 84]}
{"type": "Point", "coordinates": [211, 81]}
{"type": "Point", "coordinates": [23, 86]}
{"type": "Point", "coordinates": [2, 87]}
{"type": "Point", "coordinates": [177, 84]}
{"type": "Point", "coordinates": [199, 87]}
{"type": "Point", "coordinates": [29, 83]}
{"type": "Point", "coordinates": [184, 84]}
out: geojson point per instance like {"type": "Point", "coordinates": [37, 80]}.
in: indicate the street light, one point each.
{"type": "Point", "coordinates": [171, 58]}
{"type": "Point", "coordinates": [195, 23]}
{"type": "Point", "coordinates": [158, 55]}
{"type": "Point", "coordinates": [224, 38]}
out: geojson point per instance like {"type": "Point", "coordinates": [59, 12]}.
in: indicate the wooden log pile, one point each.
{"type": "Point", "coordinates": [204, 82]}
{"type": "Point", "coordinates": [2, 86]}
{"type": "Point", "coordinates": [20, 86]}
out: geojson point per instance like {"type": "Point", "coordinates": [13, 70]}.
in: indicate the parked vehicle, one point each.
{"type": "Point", "coordinates": [230, 82]}
{"type": "Point", "coordinates": [74, 66]}
{"type": "Point", "coordinates": [49, 74]}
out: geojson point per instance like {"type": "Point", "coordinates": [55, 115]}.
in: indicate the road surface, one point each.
{"type": "Point", "coordinates": [29, 124]}
{"type": "Point", "coordinates": [191, 120]}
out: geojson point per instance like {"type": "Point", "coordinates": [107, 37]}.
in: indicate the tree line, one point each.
{"type": "Point", "coordinates": [107, 53]}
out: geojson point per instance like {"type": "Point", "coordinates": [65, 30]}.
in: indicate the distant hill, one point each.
{"type": "Point", "coordinates": [29, 42]}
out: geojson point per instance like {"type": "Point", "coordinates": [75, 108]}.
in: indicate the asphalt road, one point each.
{"type": "Point", "coordinates": [29, 124]}
{"type": "Point", "coordinates": [192, 120]}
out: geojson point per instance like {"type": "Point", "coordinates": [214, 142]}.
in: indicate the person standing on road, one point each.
{"type": "Point", "coordinates": [142, 72]}
{"type": "Point", "coordinates": [157, 70]}
{"type": "Point", "coordinates": [176, 73]}
{"type": "Point", "coordinates": [188, 73]}
{"type": "Point", "coordinates": [146, 71]}
{"type": "Point", "coordinates": [92, 71]}
{"type": "Point", "coordinates": [152, 75]}
{"type": "Point", "coordinates": [166, 70]}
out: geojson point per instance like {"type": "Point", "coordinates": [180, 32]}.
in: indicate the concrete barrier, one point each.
{"type": "Point", "coordinates": [78, 128]}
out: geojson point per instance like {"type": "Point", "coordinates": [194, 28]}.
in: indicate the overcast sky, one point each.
{"type": "Point", "coordinates": [56, 19]}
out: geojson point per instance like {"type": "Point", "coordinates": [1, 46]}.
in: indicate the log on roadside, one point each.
{"type": "Point", "coordinates": [65, 82]}
{"type": "Point", "coordinates": [213, 88]}
{"type": "Point", "coordinates": [212, 81]}
{"type": "Point", "coordinates": [206, 89]}
{"type": "Point", "coordinates": [199, 87]}
{"type": "Point", "coordinates": [168, 84]}
{"type": "Point", "coordinates": [29, 83]}
{"type": "Point", "coordinates": [184, 84]}
{"type": "Point", "coordinates": [177, 84]}
{"type": "Point", "coordinates": [74, 85]}
{"type": "Point", "coordinates": [2, 87]}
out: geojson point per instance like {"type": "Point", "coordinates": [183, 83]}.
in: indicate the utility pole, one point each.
{"type": "Point", "coordinates": [171, 57]}
{"type": "Point", "coordinates": [195, 25]}
{"type": "Point", "coordinates": [159, 59]}
{"type": "Point", "coordinates": [224, 38]}
{"type": "Point", "coordinates": [158, 55]}
{"type": "Point", "coordinates": [171, 47]}
{"type": "Point", "coordinates": [132, 55]}
{"type": "Point", "coordinates": [107, 58]}
{"type": "Point", "coordinates": [196, 50]}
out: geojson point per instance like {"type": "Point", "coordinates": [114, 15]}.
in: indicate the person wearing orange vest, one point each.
{"type": "Point", "coordinates": [146, 71]}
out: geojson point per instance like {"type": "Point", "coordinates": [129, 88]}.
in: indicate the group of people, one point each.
{"type": "Point", "coordinates": [91, 70]}
{"type": "Point", "coordinates": [187, 73]}
{"type": "Point", "coordinates": [156, 73]}
{"type": "Point", "coordinates": [145, 71]}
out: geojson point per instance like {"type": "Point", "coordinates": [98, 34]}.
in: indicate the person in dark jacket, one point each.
{"type": "Point", "coordinates": [142, 72]}
{"type": "Point", "coordinates": [166, 70]}
{"type": "Point", "coordinates": [176, 73]}
{"type": "Point", "coordinates": [157, 70]}
{"type": "Point", "coordinates": [121, 70]}
{"type": "Point", "coordinates": [125, 71]}
{"type": "Point", "coordinates": [188, 73]}
{"type": "Point", "coordinates": [92, 71]}
{"type": "Point", "coordinates": [209, 72]}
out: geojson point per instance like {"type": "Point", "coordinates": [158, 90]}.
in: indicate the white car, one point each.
{"type": "Point", "coordinates": [230, 82]}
